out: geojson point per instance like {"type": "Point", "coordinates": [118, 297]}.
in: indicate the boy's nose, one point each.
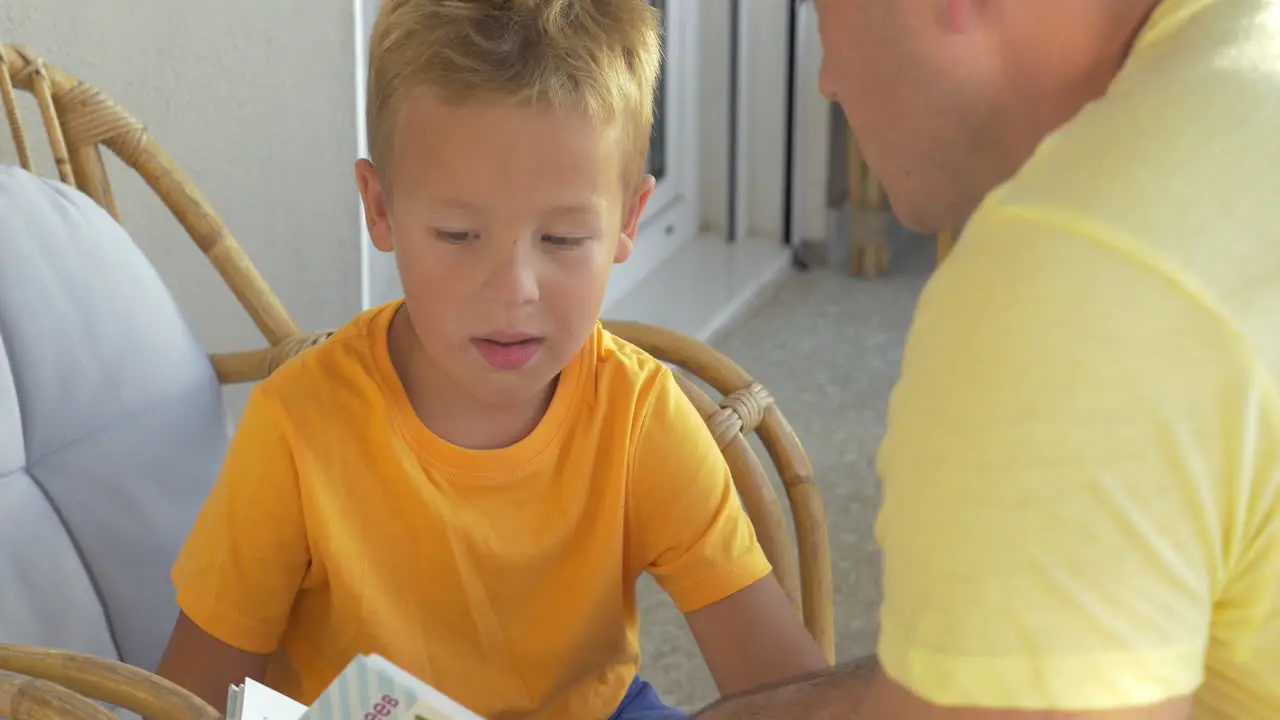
{"type": "Point", "coordinates": [512, 278]}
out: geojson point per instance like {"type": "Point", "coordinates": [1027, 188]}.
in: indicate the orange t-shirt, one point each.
{"type": "Point", "coordinates": [505, 578]}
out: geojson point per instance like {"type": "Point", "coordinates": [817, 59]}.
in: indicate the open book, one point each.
{"type": "Point", "coordinates": [369, 688]}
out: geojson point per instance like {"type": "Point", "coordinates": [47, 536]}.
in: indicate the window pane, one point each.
{"type": "Point", "coordinates": [657, 162]}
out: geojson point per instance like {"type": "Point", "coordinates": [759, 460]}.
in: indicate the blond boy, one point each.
{"type": "Point", "coordinates": [470, 481]}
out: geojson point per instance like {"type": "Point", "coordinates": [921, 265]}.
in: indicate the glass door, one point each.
{"type": "Point", "coordinates": [670, 218]}
{"type": "Point", "coordinates": [657, 164]}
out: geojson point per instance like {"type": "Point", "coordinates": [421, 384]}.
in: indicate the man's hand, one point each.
{"type": "Point", "coordinates": [861, 690]}
{"type": "Point", "coordinates": [754, 638]}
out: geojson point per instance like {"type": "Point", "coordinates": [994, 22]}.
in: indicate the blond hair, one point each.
{"type": "Point", "coordinates": [601, 57]}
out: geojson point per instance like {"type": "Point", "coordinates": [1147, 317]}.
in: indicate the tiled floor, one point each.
{"type": "Point", "coordinates": [828, 347]}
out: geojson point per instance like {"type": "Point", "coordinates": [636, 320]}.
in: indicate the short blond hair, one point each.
{"type": "Point", "coordinates": [601, 57]}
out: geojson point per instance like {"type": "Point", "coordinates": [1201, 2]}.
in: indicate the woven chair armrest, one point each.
{"type": "Point", "coordinates": [59, 683]}
{"type": "Point", "coordinates": [254, 365]}
{"type": "Point", "coordinates": [23, 698]}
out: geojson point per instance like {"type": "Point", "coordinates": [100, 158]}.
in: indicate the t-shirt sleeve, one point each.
{"type": "Point", "coordinates": [241, 566]}
{"type": "Point", "coordinates": [688, 523]}
{"type": "Point", "coordinates": [1055, 510]}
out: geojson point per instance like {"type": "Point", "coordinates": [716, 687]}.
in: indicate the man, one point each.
{"type": "Point", "coordinates": [1081, 473]}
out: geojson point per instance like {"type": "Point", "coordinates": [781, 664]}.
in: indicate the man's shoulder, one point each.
{"type": "Point", "coordinates": [1181, 142]}
{"type": "Point", "coordinates": [1171, 168]}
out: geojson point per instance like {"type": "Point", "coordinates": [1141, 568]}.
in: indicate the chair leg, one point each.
{"type": "Point", "coordinates": [869, 246]}
{"type": "Point", "coordinates": [869, 238]}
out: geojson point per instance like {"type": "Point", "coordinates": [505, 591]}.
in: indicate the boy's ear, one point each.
{"type": "Point", "coordinates": [374, 200]}
{"type": "Point", "coordinates": [631, 223]}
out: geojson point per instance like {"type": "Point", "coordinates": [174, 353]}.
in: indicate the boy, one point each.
{"type": "Point", "coordinates": [470, 481]}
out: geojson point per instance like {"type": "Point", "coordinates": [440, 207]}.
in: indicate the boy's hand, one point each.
{"type": "Point", "coordinates": [205, 665]}
{"type": "Point", "coordinates": [754, 638]}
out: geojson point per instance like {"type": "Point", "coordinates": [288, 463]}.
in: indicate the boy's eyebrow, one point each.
{"type": "Point", "coordinates": [454, 204]}
{"type": "Point", "coordinates": [584, 207]}
{"type": "Point", "coordinates": [589, 206]}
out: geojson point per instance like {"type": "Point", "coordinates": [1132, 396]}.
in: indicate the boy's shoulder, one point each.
{"type": "Point", "coordinates": [635, 388]}
{"type": "Point", "coordinates": [622, 366]}
{"type": "Point", "coordinates": [340, 366]}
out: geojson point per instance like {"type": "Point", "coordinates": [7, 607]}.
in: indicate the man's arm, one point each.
{"type": "Point", "coordinates": [777, 646]}
{"type": "Point", "coordinates": [838, 692]}
{"type": "Point", "coordinates": [861, 690]}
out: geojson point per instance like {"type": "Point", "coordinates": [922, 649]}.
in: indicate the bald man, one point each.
{"type": "Point", "coordinates": [1081, 473]}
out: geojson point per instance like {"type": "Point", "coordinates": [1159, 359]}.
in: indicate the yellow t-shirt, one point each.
{"type": "Point", "coordinates": [1082, 468]}
{"type": "Point", "coordinates": [341, 525]}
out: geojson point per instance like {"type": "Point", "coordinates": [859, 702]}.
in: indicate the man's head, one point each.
{"type": "Point", "coordinates": [508, 140]}
{"type": "Point", "coordinates": [948, 98]}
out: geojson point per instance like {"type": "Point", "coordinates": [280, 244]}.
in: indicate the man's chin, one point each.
{"type": "Point", "coordinates": [914, 216]}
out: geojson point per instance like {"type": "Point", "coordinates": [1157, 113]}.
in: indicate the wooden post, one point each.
{"type": "Point", "coordinates": [946, 241]}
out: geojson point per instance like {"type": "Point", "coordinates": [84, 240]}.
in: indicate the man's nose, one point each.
{"type": "Point", "coordinates": [512, 276]}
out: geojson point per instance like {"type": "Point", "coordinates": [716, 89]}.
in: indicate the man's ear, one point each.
{"type": "Point", "coordinates": [631, 224]}
{"type": "Point", "coordinates": [374, 197]}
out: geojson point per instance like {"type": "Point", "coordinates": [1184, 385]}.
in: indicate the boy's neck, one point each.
{"type": "Point", "coordinates": [451, 413]}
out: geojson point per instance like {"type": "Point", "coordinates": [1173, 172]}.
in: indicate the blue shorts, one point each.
{"type": "Point", "coordinates": [642, 703]}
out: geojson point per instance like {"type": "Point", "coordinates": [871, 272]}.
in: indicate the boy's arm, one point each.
{"type": "Point", "coordinates": [205, 665]}
{"type": "Point", "coordinates": [695, 538]}
{"type": "Point", "coordinates": [241, 566]}
{"type": "Point", "coordinates": [754, 638]}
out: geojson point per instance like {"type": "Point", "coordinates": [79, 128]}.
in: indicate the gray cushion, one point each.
{"type": "Point", "coordinates": [111, 428]}
{"type": "Point", "coordinates": [55, 604]}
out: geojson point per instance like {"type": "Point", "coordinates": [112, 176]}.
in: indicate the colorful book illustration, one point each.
{"type": "Point", "coordinates": [369, 688]}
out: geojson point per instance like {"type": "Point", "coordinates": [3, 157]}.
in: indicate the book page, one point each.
{"type": "Point", "coordinates": [372, 688]}
{"type": "Point", "coordinates": [259, 702]}
{"type": "Point", "coordinates": [233, 702]}
{"type": "Point", "coordinates": [429, 703]}
{"type": "Point", "coordinates": [434, 709]}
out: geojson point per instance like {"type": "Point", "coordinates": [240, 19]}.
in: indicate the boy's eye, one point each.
{"type": "Point", "coordinates": [563, 240]}
{"type": "Point", "coordinates": [453, 236]}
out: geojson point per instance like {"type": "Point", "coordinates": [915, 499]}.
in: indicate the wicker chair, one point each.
{"type": "Point", "coordinates": [40, 684]}
{"type": "Point", "coordinates": [79, 119]}
{"type": "Point", "coordinates": [748, 407]}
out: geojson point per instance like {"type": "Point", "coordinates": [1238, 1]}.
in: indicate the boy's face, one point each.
{"type": "Point", "coordinates": [506, 221]}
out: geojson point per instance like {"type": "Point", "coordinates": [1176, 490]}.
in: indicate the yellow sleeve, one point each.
{"type": "Point", "coordinates": [688, 524]}
{"type": "Point", "coordinates": [242, 564]}
{"type": "Point", "coordinates": [1056, 475]}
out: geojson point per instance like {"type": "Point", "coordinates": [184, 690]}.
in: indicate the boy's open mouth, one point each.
{"type": "Point", "coordinates": [508, 351]}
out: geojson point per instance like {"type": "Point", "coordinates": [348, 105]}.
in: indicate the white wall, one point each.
{"type": "Point", "coordinates": [253, 101]}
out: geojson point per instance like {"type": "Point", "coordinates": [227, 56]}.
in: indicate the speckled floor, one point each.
{"type": "Point", "coordinates": [828, 347]}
